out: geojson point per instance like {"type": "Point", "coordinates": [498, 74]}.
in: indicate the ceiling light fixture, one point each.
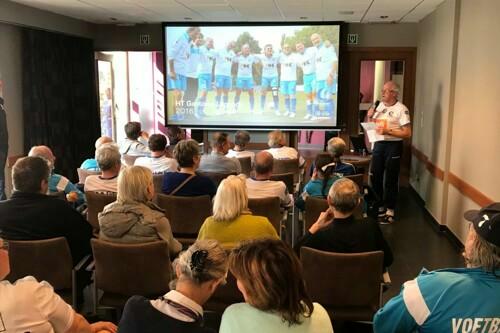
{"type": "Point", "coordinates": [383, 17]}
{"type": "Point", "coordinates": [346, 12]}
{"type": "Point", "coordinates": [113, 19]}
{"type": "Point", "coordinates": [188, 18]}
{"type": "Point", "coordinates": [303, 17]}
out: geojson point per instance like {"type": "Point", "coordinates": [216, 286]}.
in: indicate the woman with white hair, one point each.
{"type": "Point", "coordinates": [133, 217]}
{"type": "Point", "coordinates": [199, 270]}
{"type": "Point", "coordinates": [232, 221]}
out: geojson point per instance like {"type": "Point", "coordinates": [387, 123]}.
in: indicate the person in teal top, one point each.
{"type": "Point", "coordinates": [91, 163]}
{"type": "Point", "coordinates": [453, 300]}
{"type": "Point", "coordinates": [270, 278]}
{"type": "Point", "coordinates": [322, 179]}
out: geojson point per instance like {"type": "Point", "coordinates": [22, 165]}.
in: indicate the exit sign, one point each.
{"type": "Point", "coordinates": [144, 39]}
{"type": "Point", "coordinates": [352, 39]}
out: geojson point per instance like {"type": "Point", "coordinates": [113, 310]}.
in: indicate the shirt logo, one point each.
{"type": "Point", "coordinates": [228, 59]}
{"type": "Point", "coordinates": [245, 65]}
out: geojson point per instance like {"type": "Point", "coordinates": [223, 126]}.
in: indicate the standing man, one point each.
{"type": "Point", "coordinates": [205, 68]}
{"type": "Point", "coordinates": [223, 80]}
{"type": "Point", "coordinates": [326, 75]}
{"type": "Point", "coordinates": [192, 76]}
{"type": "Point", "coordinates": [307, 61]}
{"type": "Point", "coordinates": [288, 82]}
{"type": "Point", "coordinates": [4, 143]}
{"type": "Point", "coordinates": [244, 78]}
{"type": "Point", "coordinates": [178, 57]}
{"type": "Point", "coordinates": [393, 121]}
{"type": "Point", "coordinates": [269, 78]}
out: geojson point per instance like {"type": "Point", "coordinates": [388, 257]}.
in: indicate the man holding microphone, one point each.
{"type": "Point", "coordinates": [393, 122]}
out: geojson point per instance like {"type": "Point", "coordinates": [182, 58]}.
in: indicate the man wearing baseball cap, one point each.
{"type": "Point", "coordinates": [454, 300]}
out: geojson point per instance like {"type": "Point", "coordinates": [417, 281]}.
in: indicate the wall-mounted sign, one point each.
{"type": "Point", "coordinates": [352, 39]}
{"type": "Point", "coordinates": [144, 39]}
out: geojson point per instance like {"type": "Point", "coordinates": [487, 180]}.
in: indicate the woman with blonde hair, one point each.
{"type": "Point", "coordinates": [232, 221]}
{"type": "Point", "coordinates": [133, 217]}
{"type": "Point", "coordinates": [269, 276]}
{"type": "Point", "coordinates": [199, 270]}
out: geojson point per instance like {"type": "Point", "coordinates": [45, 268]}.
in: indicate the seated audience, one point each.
{"type": "Point", "coordinates": [260, 186]}
{"type": "Point", "coordinates": [158, 163]}
{"type": "Point", "coordinates": [174, 134]}
{"type": "Point", "coordinates": [458, 299]}
{"type": "Point", "coordinates": [133, 217]}
{"type": "Point", "coordinates": [337, 230]}
{"type": "Point", "coordinates": [217, 161]}
{"type": "Point", "coordinates": [58, 183]}
{"type": "Point", "coordinates": [321, 180]}
{"type": "Point", "coordinates": [270, 277]}
{"type": "Point", "coordinates": [30, 214]}
{"type": "Point", "coordinates": [232, 221]}
{"type": "Point", "coordinates": [91, 163]}
{"type": "Point", "coordinates": [241, 139]}
{"type": "Point", "coordinates": [109, 160]}
{"type": "Point", "coordinates": [336, 147]}
{"type": "Point", "coordinates": [132, 145]}
{"type": "Point", "coordinates": [199, 271]}
{"type": "Point", "coordinates": [31, 306]}
{"type": "Point", "coordinates": [277, 148]}
{"type": "Point", "coordinates": [186, 182]}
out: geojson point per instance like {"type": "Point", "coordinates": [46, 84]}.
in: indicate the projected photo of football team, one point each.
{"type": "Point", "coordinates": [252, 75]}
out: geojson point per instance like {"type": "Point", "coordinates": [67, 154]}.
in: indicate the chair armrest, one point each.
{"type": "Point", "coordinates": [82, 262]}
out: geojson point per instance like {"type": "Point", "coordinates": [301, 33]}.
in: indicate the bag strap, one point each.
{"type": "Point", "coordinates": [181, 185]}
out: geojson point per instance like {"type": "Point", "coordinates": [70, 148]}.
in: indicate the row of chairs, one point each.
{"type": "Point", "coordinates": [347, 285]}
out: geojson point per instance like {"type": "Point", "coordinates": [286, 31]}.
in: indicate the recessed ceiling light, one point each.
{"type": "Point", "coordinates": [383, 16]}
{"type": "Point", "coordinates": [346, 12]}
{"type": "Point", "coordinates": [303, 17]}
{"type": "Point", "coordinates": [188, 18]}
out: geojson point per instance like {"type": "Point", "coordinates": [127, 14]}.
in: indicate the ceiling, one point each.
{"type": "Point", "coordinates": [153, 11]}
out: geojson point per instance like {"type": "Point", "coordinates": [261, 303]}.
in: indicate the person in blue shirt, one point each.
{"type": "Point", "coordinates": [91, 163]}
{"type": "Point", "coordinates": [58, 183]}
{"type": "Point", "coordinates": [453, 300]}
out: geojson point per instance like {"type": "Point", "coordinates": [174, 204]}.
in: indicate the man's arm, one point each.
{"type": "Point", "coordinates": [402, 132]}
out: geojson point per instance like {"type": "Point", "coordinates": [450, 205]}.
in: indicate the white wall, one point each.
{"type": "Point", "coordinates": [432, 96]}
{"type": "Point", "coordinates": [11, 71]}
{"type": "Point", "coordinates": [456, 109]}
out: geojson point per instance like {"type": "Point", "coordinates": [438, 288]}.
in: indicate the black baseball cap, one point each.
{"type": "Point", "coordinates": [486, 222]}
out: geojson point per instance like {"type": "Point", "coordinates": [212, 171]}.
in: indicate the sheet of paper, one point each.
{"type": "Point", "coordinates": [370, 131]}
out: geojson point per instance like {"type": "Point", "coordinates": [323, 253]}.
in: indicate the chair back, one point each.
{"type": "Point", "coordinates": [246, 165]}
{"type": "Point", "coordinates": [47, 260]}
{"type": "Point", "coordinates": [59, 195]}
{"type": "Point", "coordinates": [216, 177]}
{"type": "Point", "coordinates": [96, 201]}
{"type": "Point", "coordinates": [83, 174]}
{"type": "Point", "coordinates": [129, 159]}
{"type": "Point", "coordinates": [225, 295]}
{"type": "Point", "coordinates": [158, 182]}
{"type": "Point", "coordinates": [287, 166]}
{"type": "Point", "coordinates": [132, 269]}
{"type": "Point", "coordinates": [314, 207]}
{"type": "Point", "coordinates": [348, 285]}
{"type": "Point", "coordinates": [267, 207]}
{"type": "Point", "coordinates": [185, 214]}
{"type": "Point", "coordinates": [358, 179]}
{"type": "Point", "coordinates": [286, 178]}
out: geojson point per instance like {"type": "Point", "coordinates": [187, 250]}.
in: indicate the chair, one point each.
{"type": "Point", "coordinates": [348, 285]}
{"type": "Point", "coordinates": [47, 260]}
{"type": "Point", "coordinates": [268, 207]}
{"type": "Point", "coordinates": [216, 177]}
{"type": "Point", "coordinates": [96, 201]}
{"type": "Point", "coordinates": [59, 195]}
{"type": "Point", "coordinates": [83, 174]}
{"type": "Point", "coordinates": [246, 165]}
{"type": "Point", "coordinates": [287, 166]}
{"type": "Point", "coordinates": [185, 214]}
{"type": "Point", "coordinates": [129, 159]}
{"type": "Point", "coordinates": [124, 270]}
{"type": "Point", "coordinates": [158, 182]}
{"type": "Point", "coordinates": [314, 207]}
{"type": "Point", "coordinates": [224, 296]}
{"type": "Point", "coordinates": [286, 178]}
{"type": "Point", "coordinates": [358, 179]}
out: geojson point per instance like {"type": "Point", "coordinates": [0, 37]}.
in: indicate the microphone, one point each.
{"type": "Point", "coordinates": [377, 102]}
{"type": "Point", "coordinates": [375, 106]}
